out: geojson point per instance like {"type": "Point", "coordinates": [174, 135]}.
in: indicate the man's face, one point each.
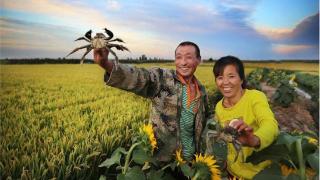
{"type": "Point", "coordinates": [186, 61]}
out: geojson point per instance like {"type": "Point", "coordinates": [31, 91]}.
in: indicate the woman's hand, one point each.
{"type": "Point", "coordinates": [246, 137]}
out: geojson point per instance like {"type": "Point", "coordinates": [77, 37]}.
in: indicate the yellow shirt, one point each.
{"type": "Point", "coordinates": [254, 109]}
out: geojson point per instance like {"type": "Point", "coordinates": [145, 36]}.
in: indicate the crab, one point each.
{"type": "Point", "coordinates": [230, 135]}
{"type": "Point", "coordinates": [220, 135]}
{"type": "Point", "coordinates": [100, 41]}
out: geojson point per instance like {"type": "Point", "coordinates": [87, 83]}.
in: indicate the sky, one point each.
{"type": "Point", "coordinates": [248, 29]}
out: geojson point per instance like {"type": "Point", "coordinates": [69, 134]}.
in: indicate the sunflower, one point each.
{"type": "Point", "coordinates": [147, 129]}
{"type": "Point", "coordinates": [293, 77]}
{"type": "Point", "coordinates": [285, 170]}
{"type": "Point", "coordinates": [179, 158]}
{"type": "Point", "coordinates": [310, 173]}
{"type": "Point", "coordinates": [312, 141]}
{"type": "Point", "coordinates": [206, 165]}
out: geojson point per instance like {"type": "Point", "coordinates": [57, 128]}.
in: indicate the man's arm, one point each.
{"type": "Point", "coordinates": [208, 112]}
{"type": "Point", "coordinates": [143, 82]}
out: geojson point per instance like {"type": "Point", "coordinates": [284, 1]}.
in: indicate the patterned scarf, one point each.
{"type": "Point", "coordinates": [191, 95]}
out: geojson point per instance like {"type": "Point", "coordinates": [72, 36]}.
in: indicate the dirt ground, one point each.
{"type": "Point", "coordinates": [296, 116]}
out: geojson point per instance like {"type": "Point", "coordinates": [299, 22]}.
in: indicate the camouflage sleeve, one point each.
{"type": "Point", "coordinates": [206, 139]}
{"type": "Point", "coordinates": [208, 111]}
{"type": "Point", "coordinates": [140, 81]}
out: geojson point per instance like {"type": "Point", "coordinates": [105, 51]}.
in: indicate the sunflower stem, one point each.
{"type": "Point", "coordinates": [165, 167]}
{"type": "Point", "coordinates": [196, 176]}
{"type": "Point", "coordinates": [302, 168]}
{"type": "Point", "coordinates": [127, 162]}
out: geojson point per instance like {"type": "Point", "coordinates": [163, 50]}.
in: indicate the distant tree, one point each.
{"type": "Point", "coordinates": [143, 57]}
{"type": "Point", "coordinates": [210, 59]}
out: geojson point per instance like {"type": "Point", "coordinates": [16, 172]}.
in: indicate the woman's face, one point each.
{"type": "Point", "coordinates": [229, 83]}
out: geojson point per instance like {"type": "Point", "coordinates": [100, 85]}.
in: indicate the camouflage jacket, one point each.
{"type": "Point", "coordinates": [165, 91]}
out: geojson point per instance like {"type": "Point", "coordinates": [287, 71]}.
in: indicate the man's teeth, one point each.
{"type": "Point", "coordinates": [227, 89]}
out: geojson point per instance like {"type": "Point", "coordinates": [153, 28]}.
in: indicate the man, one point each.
{"type": "Point", "coordinates": [179, 102]}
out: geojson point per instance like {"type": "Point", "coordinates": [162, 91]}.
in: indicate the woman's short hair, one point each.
{"type": "Point", "coordinates": [219, 66]}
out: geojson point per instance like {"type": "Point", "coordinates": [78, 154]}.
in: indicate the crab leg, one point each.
{"type": "Point", "coordinates": [117, 39]}
{"type": "Point", "coordinates": [119, 47]}
{"type": "Point", "coordinates": [88, 50]}
{"type": "Point", "coordinates": [76, 49]}
{"type": "Point", "coordinates": [82, 38]}
{"type": "Point", "coordinates": [237, 148]}
{"type": "Point", "coordinates": [114, 54]}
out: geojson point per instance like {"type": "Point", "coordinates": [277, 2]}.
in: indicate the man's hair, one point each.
{"type": "Point", "coordinates": [219, 66]}
{"type": "Point", "coordinates": [189, 43]}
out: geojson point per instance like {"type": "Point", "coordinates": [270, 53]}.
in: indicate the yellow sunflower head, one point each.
{"type": "Point", "coordinates": [312, 141]}
{"type": "Point", "coordinates": [285, 170]}
{"type": "Point", "coordinates": [147, 130]}
{"type": "Point", "coordinates": [206, 167]}
{"type": "Point", "coordinates": [179, 157]}
{"type": "Point", "coordinates": [293, 77]}
{"type": "Point", "coordinates": [310, 173]}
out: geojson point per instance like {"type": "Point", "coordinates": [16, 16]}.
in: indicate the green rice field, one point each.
{"type": "Point", "coordinates": [62, 121]}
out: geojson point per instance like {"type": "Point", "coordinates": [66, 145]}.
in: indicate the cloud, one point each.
{"type": "Point", "coordinates": [289, 49]}
{"type": "Point", "coordinates": [306, 32]}
{"type": "Point", "coordinates": [71, 13]}
{"type": "Point", "coordinates": [25, 34]}
{"type": "Point", "coordinates": [144, 26]}
{"type": "Point", "coordinates": [303, 38]}
{"type": "Point", "coordinates": [113, 5]}
{"type": "Point", "coordinates": [244, 5]}
{"type": "Point", "coordinates": [274, 33]}
{"type": "Point", "coordinates": [20, 36]}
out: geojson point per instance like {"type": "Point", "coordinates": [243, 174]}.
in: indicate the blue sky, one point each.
{"type": "Point", "coordinates": [249, 29]}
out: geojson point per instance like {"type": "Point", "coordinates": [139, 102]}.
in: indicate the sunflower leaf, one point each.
{"type": "Point", "coordinates": [102, 177]}
{"type": "Point", "coordinates": [156, 175]}
{"type": "Point", "coordinates": [286, 139]}
{"type": "Point", "coordinates": [187, 170]}
{"type": "Point", "coordinates": [272, 172]}
{"type": "Point", "coordinates": [293, 177]}
{"type": "Point", "coordinates": [313, 160]}
{"type": "Point", "coordinates": [273, 152]}
{"type": "Point", "coordinates": [114, 159]}
{"type": "Point", "coordinates": [139, 156]}
{"type": "Point", "coordinates": [134, 173]}
{"type": "Point", "coordinates": [220, 151]}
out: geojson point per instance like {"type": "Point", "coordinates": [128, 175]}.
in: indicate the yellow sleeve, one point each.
{"type": "Point", "coordinates": [267, 125]}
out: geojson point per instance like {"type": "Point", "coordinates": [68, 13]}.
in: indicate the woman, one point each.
{"type": "Point", "coordinates": [245, 110]}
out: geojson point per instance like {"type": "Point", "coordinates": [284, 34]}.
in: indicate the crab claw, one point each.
{"type": "Point", "coordinates": [88, 34]}
{"type": "Point", "coordinates": [110, 34]}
